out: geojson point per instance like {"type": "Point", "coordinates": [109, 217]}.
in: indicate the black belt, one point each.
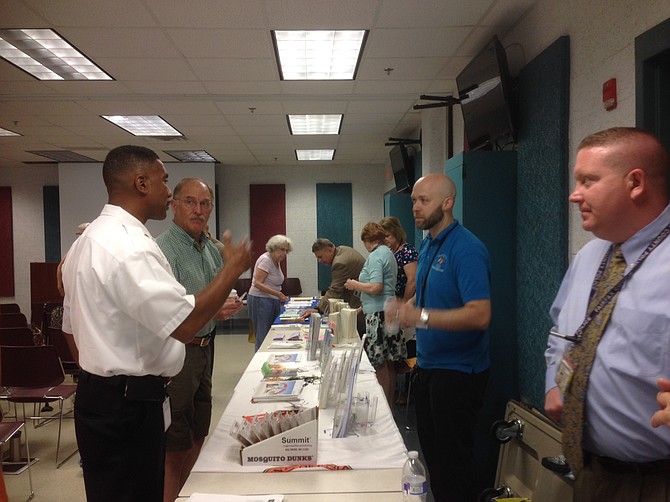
{"type": "Point", "coordinates": [139, 388]}
{"type": "Point", "coordinates": [619, 466]}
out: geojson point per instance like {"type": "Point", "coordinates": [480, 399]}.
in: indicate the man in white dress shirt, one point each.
{"type": "Point", "coordinates": [130, 319]}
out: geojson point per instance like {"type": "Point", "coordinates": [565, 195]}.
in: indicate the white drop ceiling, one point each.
{"type": "Point", "coordinates": [208, 68]}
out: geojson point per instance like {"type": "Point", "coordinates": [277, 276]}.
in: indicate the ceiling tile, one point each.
{"type": "Point", "coordinates": [205, 66]}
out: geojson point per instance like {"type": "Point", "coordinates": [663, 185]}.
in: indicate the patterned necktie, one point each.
{"type": "Point", "coordinates": [582, 356]}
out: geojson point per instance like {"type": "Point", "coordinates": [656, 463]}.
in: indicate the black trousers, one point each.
{"type": "Point", "coordinates": [447, 404]}
{"type": "Point", "coordinates": [121, 442]}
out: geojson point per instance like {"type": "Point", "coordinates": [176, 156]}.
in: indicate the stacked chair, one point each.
{"type": "Point", "coordinates": [9, 432]}
{"type": "Point", "coordinates": [31, 373]}
{"type": "Point", "coordinates": [35, 375]}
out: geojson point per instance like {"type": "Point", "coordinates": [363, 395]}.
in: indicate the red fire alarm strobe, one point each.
{"type": "Point", "coordinates": [609, 94]}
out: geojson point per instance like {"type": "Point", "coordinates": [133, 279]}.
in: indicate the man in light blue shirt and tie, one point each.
{"type": "Point", "coordinates": [620, 189]}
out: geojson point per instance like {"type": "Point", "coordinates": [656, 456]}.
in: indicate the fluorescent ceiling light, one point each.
{"type": "Point", "coordinates": [314, 124]}
{"type": "Point", "coordinates": [318, 55]}
{"type": "Point", "coordinates": [143, 125]}
{"type": "Point", "coordinates": [62, 155]}
{"type": "Point", "coordinates": [6, 132]}
{"type": "Point", "coordinates": [315, 154]}
{"type": "Point", "coordinates": [191, 155]}
{"type": "Point", "coordinates": [47, 56]}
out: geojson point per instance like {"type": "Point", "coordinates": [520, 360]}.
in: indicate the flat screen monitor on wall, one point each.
{"type": "Point", "coordinates": [403, 171]}
{"type": "Point", "coordinates": [485, 93]}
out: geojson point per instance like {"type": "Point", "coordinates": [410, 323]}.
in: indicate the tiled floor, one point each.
{"type": "Point", "coordinates": [232, 354]}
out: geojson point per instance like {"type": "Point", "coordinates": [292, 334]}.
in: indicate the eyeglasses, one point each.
{"type": "Point", "coordinates": [189, 203]}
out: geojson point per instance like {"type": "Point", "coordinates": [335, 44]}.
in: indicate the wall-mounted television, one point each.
{"type": "Point", "coordinates": [485, 93]}
{"type": "Point", "coordinates": [403, 169]}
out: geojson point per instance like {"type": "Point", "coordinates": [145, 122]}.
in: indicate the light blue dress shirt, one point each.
{"type": "Point", "coordinates": [633, 352]}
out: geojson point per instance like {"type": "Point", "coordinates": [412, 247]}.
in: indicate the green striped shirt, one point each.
{"type": "Point", "coordinates": [193, 264]}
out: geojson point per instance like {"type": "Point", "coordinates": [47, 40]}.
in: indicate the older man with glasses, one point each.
{"type": "Point", "coordinates": [195, 261]}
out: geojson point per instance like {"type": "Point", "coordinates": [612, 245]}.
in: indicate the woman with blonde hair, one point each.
{"type": "Point", "coordinates": [265, 295]}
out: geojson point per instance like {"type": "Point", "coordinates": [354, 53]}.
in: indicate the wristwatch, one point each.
{"type": "Point", "coordinates": [423, 319]}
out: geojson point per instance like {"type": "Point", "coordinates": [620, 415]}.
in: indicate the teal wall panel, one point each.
{"type": "Point", "coordinates": [334, 220]}
{"type": "Point", "coordinates": [50, 198]}
{"type": "Point", "coordinates": [486, 205]}
{"type": "Point", "coordinates": [400, 205]}
{"type": "Point", "coordinates": [542, 205]}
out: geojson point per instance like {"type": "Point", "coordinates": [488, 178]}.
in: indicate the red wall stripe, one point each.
{"type": "Point", "coordinates": [267, 206]}
{"type": "Point", "coordinates": [6, 243]}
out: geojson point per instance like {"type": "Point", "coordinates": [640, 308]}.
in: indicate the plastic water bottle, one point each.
{"type": "Point", "coordinates": [414, 486]}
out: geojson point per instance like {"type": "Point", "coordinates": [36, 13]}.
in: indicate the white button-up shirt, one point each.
{"type": "Point", "coordinates": [122, 301]}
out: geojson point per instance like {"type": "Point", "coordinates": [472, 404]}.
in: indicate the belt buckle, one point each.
{"type": "Point", "coordinates": [204, 341]}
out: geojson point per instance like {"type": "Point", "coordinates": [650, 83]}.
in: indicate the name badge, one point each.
{"type": "Point", "coordinates": [566, 369]}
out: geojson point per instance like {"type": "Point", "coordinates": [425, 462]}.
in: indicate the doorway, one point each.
{"type": "Point", "coordinates": [652, 82]}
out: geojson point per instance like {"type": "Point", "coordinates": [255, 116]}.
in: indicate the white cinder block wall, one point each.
{"type": "Point", "coordinates": [369, 183]}
{"type": "Point", "coordinates": [602, 46]}
{"type": "Point", "coordinates": [28, 223]}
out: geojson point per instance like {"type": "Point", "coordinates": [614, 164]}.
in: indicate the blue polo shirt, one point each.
{"type": "Point", "coordinates": [453, 269]}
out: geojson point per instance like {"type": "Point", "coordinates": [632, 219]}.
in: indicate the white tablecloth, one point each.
{"type": "Point", "coordinates": [377, 447]}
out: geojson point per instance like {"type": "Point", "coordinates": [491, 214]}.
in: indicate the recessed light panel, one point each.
{"type": "Point", "coordinates": [47, 56]}
{"type": "Point", "coordinates": [318, 55]}
{"type": "Point", "coordinates": [315, 124]}
{"type": "Point", "coordinates": [5, 132]}
{"type": "Point", "coordinates": [143, 125]}
{"type": "Point", "coordinates": [191, 155]}
{"type": "Point", "coordinates": [315, 154]}
{"type": "Point", "coordinates": [62, 155]}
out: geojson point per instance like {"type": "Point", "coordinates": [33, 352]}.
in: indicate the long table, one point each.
{"type": "Point", "coordinates": [369, 463]}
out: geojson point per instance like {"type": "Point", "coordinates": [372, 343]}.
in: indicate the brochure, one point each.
{"type": "Point", "coordinates": [279, 369]}
{"type": "Point", "coordinates": [289, 357]}
{"type": "Point", "coordinates": [285, 390]}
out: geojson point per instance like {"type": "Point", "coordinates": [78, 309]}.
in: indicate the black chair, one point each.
{"type": "Point", "coordinates": [9, 308]}
{"type": "Point", "coordinates": [11, 431]}
{"type": "Point", "coordinates": [17, 337]}
{"type": "Point", "coordinates": [52, 317]}
{"type": "Point", "coordinates": [68, 359]}
{"type": "Point", "coordinates": [13, 320]}
{"type": "Point", "coordinates": [291, 286]}
{"type": "Point", "coordinates": [35, 375]}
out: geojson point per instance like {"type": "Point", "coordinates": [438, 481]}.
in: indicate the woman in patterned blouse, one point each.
{"type": "Point", "coordinates": [407, 258]}
{"type": "Point", "coordinates": [405, 255]}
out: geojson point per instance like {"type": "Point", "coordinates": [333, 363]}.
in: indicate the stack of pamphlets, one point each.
{"type": "Point", "coordinates": [289, 357]}
{"type": "Point", "coordinates": [292, 341]}
{"type": "Point", "coordinates": [281, 365]}
{"type": "Point", "coordinates": [279, 370]}
{"type": "Point", "coordinates": [314, 331]}
{"type": "Point", "coordinates": [291, 314]}
{"type": "Point", "coordinates": [273, 391]}
{"type": "Point", "coordinates": [253, 429]}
